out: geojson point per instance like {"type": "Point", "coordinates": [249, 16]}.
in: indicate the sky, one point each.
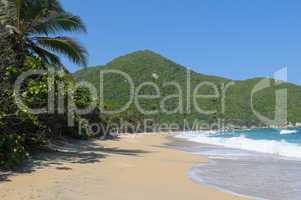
{"type": "Point", "coordinates": [237, 39]}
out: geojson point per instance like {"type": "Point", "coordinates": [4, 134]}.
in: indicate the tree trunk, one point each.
{"type": "Point", "coordinates": [12, 49]}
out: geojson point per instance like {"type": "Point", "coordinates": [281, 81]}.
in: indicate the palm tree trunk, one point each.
{"type": "Point", "coordinates": [12, 50]}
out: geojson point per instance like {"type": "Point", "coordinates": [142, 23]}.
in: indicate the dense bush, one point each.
{"type": "Point", "coordinates": [32, 131]}
{"type": "Point", "coordinates": [12, 150]}
{"type": "Point", "coordinates": [31, 38]}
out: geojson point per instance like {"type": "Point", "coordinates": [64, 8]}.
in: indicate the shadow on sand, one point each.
{"type": "Point", "coordinates": [81, 152]}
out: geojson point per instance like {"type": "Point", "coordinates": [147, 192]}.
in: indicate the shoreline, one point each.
{"type": "Point", "coordinates": [241, 161]}
{"type": "Point", "coordinates": [133, 167]}
{"type": "Point", "coordinates": [178, 143]}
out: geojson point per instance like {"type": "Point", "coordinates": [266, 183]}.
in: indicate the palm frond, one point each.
{"type": "Point", "coordinates": [47, 56]}
{"type": "Point", "coordinates": [52, 5]}
{"type": "Point", "coordinates": [40, 8]}
{"type": "Point", "coordinates": [66, 46]}
{"type": "Point", "coordinates": [57, 22]}
{"type": "Point", "coordinates": [27, 19]}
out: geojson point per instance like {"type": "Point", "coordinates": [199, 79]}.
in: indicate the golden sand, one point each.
{"type": "Point", "coordinates": [135, 168]}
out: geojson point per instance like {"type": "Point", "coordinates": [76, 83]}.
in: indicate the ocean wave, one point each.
{"type": "Point", "coordinates": [288, 132]}
{"type": "Point", "coordinates": [280, 148]}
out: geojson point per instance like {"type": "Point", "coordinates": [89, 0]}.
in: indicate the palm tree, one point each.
{"type": "Point", "coordinates": [31, 27]}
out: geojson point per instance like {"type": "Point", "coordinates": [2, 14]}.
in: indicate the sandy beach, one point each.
{"type": "Point", "coordinates": [133, 167]}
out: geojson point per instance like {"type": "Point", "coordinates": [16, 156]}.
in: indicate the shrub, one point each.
{"type": "Point", "coordinates": [12, 150]}
{"type": "Point", "coordinates": [34, 131]}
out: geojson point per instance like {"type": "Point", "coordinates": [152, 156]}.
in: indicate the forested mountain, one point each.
{"type": "Point", "coordinates": [147, 66]}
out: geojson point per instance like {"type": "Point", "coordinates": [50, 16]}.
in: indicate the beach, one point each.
{"type": "Point", "coordinates": [133, 167]}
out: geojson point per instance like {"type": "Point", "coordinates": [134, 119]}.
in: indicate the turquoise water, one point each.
{"type": "Point", "coordinates": [279, 142]}
{"type": "Point", "coordinates": [261, 163]}
{"type": "Point", "coordinates": [280, 135]}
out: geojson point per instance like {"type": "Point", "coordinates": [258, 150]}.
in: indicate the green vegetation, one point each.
{"type": "Point", "coordinates": [28, 24]}
{"type": "Point", "coordinates": [12, 150]}
{"type": "Point", "coordinates": [25, 30]}
{"type": "Point", "coordinates": [21, 131]}
{"type": "Point", "coordinates": [141, 66]}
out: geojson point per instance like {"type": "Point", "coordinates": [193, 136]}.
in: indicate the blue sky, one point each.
{"type": "Point", "coordinates": [237, 39]}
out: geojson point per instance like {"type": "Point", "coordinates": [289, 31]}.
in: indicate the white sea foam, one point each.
{"type": "Point", "coordinates": [287, 132]}
{"type": "Point", "coordinates": [280, 148]}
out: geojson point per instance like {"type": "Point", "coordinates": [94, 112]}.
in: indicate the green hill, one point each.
{"type": "Point", "coordinates": [147, 66]}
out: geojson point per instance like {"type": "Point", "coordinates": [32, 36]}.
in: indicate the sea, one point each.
{"type": "Point", "coordinates": [259, 163]}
